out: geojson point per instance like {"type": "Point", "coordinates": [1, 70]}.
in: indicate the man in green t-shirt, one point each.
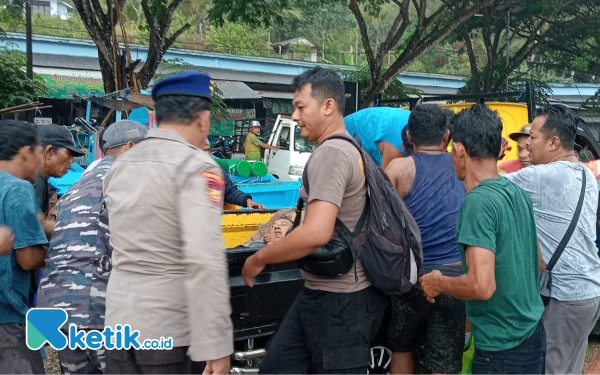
{"type": "Point", "coordinates": [496, 235]}
{"type": "Point", "coordinates": [253, 143]}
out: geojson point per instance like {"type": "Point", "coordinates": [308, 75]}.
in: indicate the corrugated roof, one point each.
{"type": "Point", "coordinates": [276, 95]}
{"type": "Point", "coordinates": [432, 90]}
{"type": "Point", "coordinates": [297, 39]}
{"type": "Point", "coordinates": [242, 76]}
{"type": "Point", "coordinates": [91, 63]}
{"type": "Point", "coordinates": [236, 90]}
{"type": "Point", "coordinates": [47, 60]}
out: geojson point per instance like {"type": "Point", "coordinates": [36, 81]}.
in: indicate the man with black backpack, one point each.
{"type": "Point", "coordinates": [497, 239]}
{"type": "Point", "coordinates": [330, 326]}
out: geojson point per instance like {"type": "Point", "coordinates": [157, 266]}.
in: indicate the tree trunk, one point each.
{"type": "Point", "coordinates": [108, 74]}
{"type": "Point", "coordinates": [429, 31]}
{"type": "Point", "coordinates": [475, 84]}
{"type": "Point", "coordinates": [356, 51]}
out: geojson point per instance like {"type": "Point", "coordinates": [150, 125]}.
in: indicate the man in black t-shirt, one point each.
{"type": "Point", "coordinates": [59, 153]}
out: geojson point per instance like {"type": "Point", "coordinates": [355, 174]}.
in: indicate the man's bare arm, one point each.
{"type": "Point", "coordinates": [389, 152]}
{"type": "Point", "coordinates": [31, 257]}
{"type": "Point", "coordinates": [47, 224]}
{"type": "Point", "coordinates": [52, 207]}
{"type": "Point", "coordinates": [541, 258]}
{"type": "Point", "coordinates": [401, 172]}
{"type": "Point", "coordinates": [7, 238]}
{"type": "Point", "coordinates": [479, 283]}
{"type": "Point", "coordinates": [268, 146]}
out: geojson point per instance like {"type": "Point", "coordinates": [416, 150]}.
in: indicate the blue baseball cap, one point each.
{"type": "Point", "coordinates": [188, 83]}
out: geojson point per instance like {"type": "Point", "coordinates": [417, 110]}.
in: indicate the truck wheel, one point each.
{"type": "Point", "coordinates": [381, 358]}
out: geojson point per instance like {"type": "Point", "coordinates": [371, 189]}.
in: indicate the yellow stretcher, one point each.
{"type": "Point", "coordinates": [240, 225]}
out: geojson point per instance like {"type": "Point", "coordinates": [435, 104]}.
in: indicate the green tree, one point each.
{"type": "Point", "coordinates": [102, 22]}
{"type": "Point", "coordinates": [501, 40]}
{"type": "Point", "coordinates": [239, 39]}
{"type": "Point", "coordinates": [574, 44]}
{"type": "Point", "coordinates": [172, 66]}
{"type": "Point", "coordinates": [361, 75]}
{"type": "Point", "coordinates": [331, 27]}
{"type": "Point", "coordinates": [417, 27]}
{"type": "Point", "coordinates": [10, 13]}
{"type": "Point", "coordinates": [15, 87]}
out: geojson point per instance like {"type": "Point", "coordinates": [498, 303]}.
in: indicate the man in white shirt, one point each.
{"type": "Point", "coordinates": [554, 183]}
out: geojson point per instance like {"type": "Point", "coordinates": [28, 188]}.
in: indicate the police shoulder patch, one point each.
{"type": "Point", "coordinates": [215, 187]}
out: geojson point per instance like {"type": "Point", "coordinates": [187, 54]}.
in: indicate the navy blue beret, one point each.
{"type": "Point", "coordinates": [188, 83]}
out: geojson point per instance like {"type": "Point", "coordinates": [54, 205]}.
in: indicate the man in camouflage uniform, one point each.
{"type": "Point", "coordinates": [78, 261]}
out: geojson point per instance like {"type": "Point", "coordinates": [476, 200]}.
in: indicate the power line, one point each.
{"type": "Point", "coordinates": [211, 47]}
{"type": "Point", "coordinates": [244, 49]}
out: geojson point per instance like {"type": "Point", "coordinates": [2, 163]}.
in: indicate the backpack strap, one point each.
{"type": "Point", "coordinates": [343, 229]}
{"type": "Point", "coordinates": [565, 240]}
{"type": "Point", "coordinates": [340, 227]}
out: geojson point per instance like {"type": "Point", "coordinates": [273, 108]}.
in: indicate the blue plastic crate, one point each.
{"type": "Point", "coordinates": [274, 194]}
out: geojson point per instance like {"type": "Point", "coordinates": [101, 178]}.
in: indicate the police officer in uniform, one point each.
{"type": "Point", "coordinates": [165, 201]}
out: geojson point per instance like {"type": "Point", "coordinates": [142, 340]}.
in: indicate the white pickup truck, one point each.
{"type": "Point", "coordinates": [288, 162]}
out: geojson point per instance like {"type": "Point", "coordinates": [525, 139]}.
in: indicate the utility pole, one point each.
{"type": "Point", "coordinates": [29, 50]}
{"type": "Point", "coordinates": [507, 46]}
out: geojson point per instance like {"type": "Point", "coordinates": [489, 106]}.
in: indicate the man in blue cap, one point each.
{"type": "Point", "coordinates": [170, 279]}
{"type": "Point", "coordinates": [379, 130]}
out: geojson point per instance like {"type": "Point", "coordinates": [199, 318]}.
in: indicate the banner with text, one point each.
{"type": "Point", "coordinates": [63, 87]}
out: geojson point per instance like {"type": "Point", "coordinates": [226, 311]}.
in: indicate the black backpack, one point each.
{"type": "Point", "coordinates": [390, 248]}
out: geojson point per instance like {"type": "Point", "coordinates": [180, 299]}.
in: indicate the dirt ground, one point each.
{"type": "Point", "coordinates": [51, 363]}
{"type": "Point", "coordinates": [593, 351]}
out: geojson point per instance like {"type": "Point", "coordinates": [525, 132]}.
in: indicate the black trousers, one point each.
{"type": "Point", "coordinates": [326, 333]}
{"type": "Point", "coordinates": [132, 361]}
{"type": "Point", "coordinates": [527, 358]}
{"type": "Point", "coordinates": [15, 356]}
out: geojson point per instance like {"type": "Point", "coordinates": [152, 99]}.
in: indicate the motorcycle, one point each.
{"type": "Point", "coordinates": [222, 148]}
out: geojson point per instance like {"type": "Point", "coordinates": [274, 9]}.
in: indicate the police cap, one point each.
{"type": "Point", "coordinates": [188, 83]}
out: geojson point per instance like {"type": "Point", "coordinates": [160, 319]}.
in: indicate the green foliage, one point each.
{"type": "Point", "coordinates": [257, 13]}
{"type": "Point", "coordinates": [73, 28]}
{"type": "Point", "coordinates": [592, 105]}
{"type": "Point", "coordinates": [172, 66]}
{"type": "Point", "coordinates": [516, 82]}
{"type": "Point", "coordinates": [575, 45]}
{"type": "Point", "coordinates": [301, 51]}
{"type": "Point", "coordinates": [239, 39]}
{"type": "Point", "coordinates": [332, 28]}
{"type": "Point", "coordinates": [15, 87]}
{"type": "Point", "coordinates": [361, 75]}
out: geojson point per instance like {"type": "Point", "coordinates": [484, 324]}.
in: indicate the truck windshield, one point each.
{"type": "Point", "coordinates": [301, 144]}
